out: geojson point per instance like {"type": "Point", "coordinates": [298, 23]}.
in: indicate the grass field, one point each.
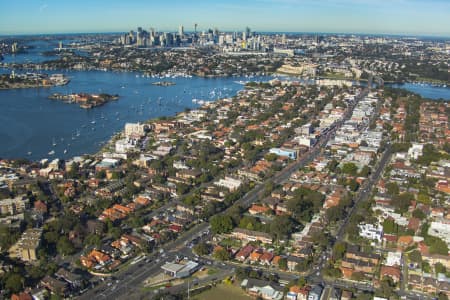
{"type": "Point", "coordinates": [223, 292]}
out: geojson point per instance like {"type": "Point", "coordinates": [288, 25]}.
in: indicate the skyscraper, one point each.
{"type": "Point", "coordinates": [181, 31]}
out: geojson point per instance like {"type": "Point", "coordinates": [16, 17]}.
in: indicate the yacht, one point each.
{"type": "Point", "coordinates": [51, 152]}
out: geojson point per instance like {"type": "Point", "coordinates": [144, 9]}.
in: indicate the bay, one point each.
{"type": "Point", "coordinates": [33, 123]}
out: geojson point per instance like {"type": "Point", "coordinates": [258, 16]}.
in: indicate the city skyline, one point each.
{"type": "Point", "coordinates": [407, 17]}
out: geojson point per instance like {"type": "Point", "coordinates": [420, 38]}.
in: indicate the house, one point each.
{"type": "Point", "coordinates": [21, 296]}
{"type": "Point", "coordinates": [393, 272]}
{"type": "Point", "coordinates": [250, 235]}
{"type": "Point", "coordinates": [255, 256]}
{"type": "Point", "coordinates": [55, 286]}
{"type": "Point", "coordinates": [260, 288]}
{"type": "Point", "coordinates": [244, 253]}
{"type": "Point", "coordinates": [256, 209]}
{"type": "Point", "coordinates": [315, 292]}
{"type": "Point", "coordinates": [266, 258]}
{"type": "Point", "coordinates": [298, 293]}
{"type": "Point", "coordinates": [292, 262]}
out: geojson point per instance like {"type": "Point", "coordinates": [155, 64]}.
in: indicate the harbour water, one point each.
{"type": "Point", "coordinates": [32, 126]}
{"type": "Point", "coordinates": [33, 123]}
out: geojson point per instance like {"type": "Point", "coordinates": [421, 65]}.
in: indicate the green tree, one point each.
{"type": "Point", "coordinates": [350, 169]}
{"type": "Point", "coordinates": [221, 254]}
{"type": "Point", "coordinates": [64, 246]}
{"type": "Point", "coordinates": [221, 224]}
{"type": "Point", "coordinates": [392, 188]}
{"type": "Point", "coordinates": [14, 282]}
{"type": "Point", "coordinates": [282, 263]}
{"type": "Point", "coordinates": [387, 287]}
{"type": "Point", "coordinates": [339, 249]}
{"type": "Point", "coordinates": [419, 214]}
{"type": "Point", "coordinates": [202, 248]}
{"type": "Point", "coordinates": [440, 268]}
{"type": "Point", "coordinates": [415, 256]}
{"type": "Point", "coordinates": [281, 227]}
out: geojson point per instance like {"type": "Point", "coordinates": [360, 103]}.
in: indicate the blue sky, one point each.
{"type": "Point", "coordinates": [416, 17]}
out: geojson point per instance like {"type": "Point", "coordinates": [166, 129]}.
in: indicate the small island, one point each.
{"type": "Point", "coordinates": [31, 80]}
{"type": "Point", "coordinates": [164, 83]}
{"type": "Point", "coordinates": [85, 100]}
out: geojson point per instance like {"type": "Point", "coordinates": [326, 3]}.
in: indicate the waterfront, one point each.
{"type": "Point", "coordinates": [32, 123]}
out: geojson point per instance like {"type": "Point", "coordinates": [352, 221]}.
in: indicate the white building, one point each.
{"type": "Point", "coordinates": [441, 230]}
{"type": "Point", "coordinates": [394, 259]}
{"type": "Point", "coordinates": [415, 151]}
{"type": "Point", "coordinates": [124, 145]}
{"type": "Point", "coordinates": [135, 129]}
{"type": "Point", "coordinates": [229, 183]}
{"type": "Point", "coordinates": [371, 232]}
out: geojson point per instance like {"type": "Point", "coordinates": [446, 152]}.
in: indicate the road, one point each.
{"type": "Point", "coordinates": [136, 274]}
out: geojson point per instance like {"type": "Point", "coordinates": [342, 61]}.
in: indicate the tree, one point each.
{"type": "Point", "coordinates": [437, 245]}
{"type": "Point", "coordinates": [392, 188]}
{"type": "Point", "coordinates": [282, 263]}
{"type": "Point", "coordinates": [419, 214]}
{"type": "Point", "coordinates": [302, 281]}
{"type": "Point", "coordinates": [14, 282]}
{"type": "Point", "coordinates": [201, 248]}
{"type": "Point", "coordinates": [350, 169]}
{"type": "Point", "coordinates": [365, 171]}
{"type": "Point", "coordinates": [402, 201]}
{"type": "Point", "coordinates": [389, 226]}
{"type": "Point", "coordinates": [415, 256]}
{"type": "Point", "coordinates": [357, 276]}
{"type": "Point", "coordinates": [439, 268]}
{"type": "Point", "coordinates": [221, 254]}
{"type": "Point", "coordinates": [221, 224]}
{"type": "Point", "coordinates": [442, 296]}
{"type": "Point", "coordinates": [339, 249]}
{"type": "Point", "coordinates": [387, 287]}
{"type": "Point", "coordinates": [335, 213]}
{"type": "Point", "coordinates": [281, 227]}
{"type": "Point", "coordinates": [64, 246]}
{"type": "Point", "coordinates": [332, 165]}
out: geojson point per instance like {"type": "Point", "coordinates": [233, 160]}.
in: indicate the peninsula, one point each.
{"type": "Point", "coordinates": [83, 99]}
{"type": "Point", "coordinates": [31, 80]}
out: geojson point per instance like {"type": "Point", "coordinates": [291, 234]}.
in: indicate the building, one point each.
{"type": "Point", "coordinates": [135, 129]}
{"type": "Point", "coordinates": [315, 292]}
{"type": "Point", "coordinates": [371, 232]}
{"type": "Point", "coordinates": [26, 247]}
{"type": "Point", "coordinates": [229, 183]}
{"type": "Point", "coordinates": [251, 236]}
{"type": "Point", "coordinates": [13, 206]}
{"type": "Point", "coordinates": [180, 270]}
{"type": "Point", "coordinates": [292, 154]}
{"type": "Point", "coordinates": [260, 288]}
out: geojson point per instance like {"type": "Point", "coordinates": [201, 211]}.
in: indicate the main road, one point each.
{"type": "Point", "coordinates": [134, 275]}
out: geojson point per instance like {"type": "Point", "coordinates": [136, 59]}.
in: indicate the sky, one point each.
{"type": "Point", "coordinates": [408, 17]}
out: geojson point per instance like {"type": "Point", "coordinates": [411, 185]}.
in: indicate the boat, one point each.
{"type": "Point", "coordinates": [29, 152]}
{"type": "Point", "coordinates": [65, 151]}
{"type": "Point", "coordinates": [93, 122]}
{"type": "Point", "coordinates": [51, 152]}
{"type": "Point", "coordinates": [54, 142]}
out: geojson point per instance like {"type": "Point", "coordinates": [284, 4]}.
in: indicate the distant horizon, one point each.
{"type": "Point", "coordinates": [394, 17]}
{"type": "Point", "coordinates": [381, 34]}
